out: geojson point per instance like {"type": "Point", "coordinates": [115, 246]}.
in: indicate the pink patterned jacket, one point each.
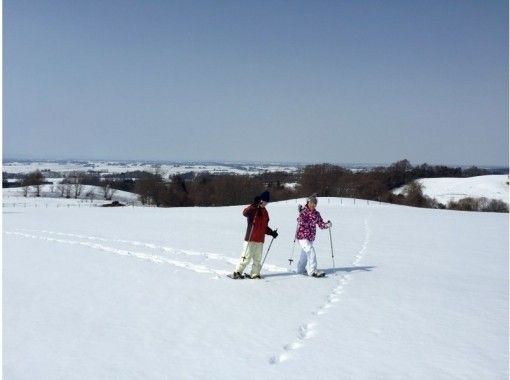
{"type": "Point", "coordinates": [307, 221]}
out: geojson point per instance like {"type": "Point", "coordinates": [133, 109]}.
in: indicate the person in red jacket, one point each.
{"type": "Point", "coordinates": [258, 219]}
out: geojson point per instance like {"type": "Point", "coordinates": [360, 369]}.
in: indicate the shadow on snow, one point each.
{"type": "Point", "coordinates": [328, 271]}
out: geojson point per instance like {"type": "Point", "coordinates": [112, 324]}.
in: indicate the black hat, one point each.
{"type": "Point", "coordinates": [265, 196]}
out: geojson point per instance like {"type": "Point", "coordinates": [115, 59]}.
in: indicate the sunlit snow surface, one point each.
{"type": "Point", "coordinates": [141, 293]}
{"type": "Point", "coordinates": [453, 189]}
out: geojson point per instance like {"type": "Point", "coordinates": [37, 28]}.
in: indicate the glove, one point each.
{"type": "Point", "coordinates": [274, 234]}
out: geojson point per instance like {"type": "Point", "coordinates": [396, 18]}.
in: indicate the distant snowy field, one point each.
{"type": "Point", "coordinates": [141, 293]}
{"type": "Point", "coordinates": [50, 196]}
{"type": "Point", "coordinates": [121, 167]}
{"type": "Point", "coordinates": [446, 189]}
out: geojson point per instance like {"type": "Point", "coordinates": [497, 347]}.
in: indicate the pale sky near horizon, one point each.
{"type": "Point", "coordinates": [281, 81]}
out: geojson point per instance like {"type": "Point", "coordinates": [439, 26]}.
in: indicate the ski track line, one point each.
{"type": "Point", "coordinates": [122, 252]}
{"type": "Point", "coordinates": [206, 255]}
{"type": "Point", "coordinates": [135, 243]}
{"type": "Point", "coordinates": [308, 330]}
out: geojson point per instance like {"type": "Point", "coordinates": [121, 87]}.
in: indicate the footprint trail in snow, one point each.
{"type": "Point", "coordinates": [308, 330]}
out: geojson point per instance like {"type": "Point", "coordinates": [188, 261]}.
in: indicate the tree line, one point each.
{"type": "Point", "coordinates": [71, 186]}
{"type": "Point", "coordinates": [327, 180]}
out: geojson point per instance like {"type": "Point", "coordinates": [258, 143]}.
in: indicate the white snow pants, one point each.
{"type": "Point", "coordinates": [252, 250]}
{"type": "Point", "coordinates": [307, 260]}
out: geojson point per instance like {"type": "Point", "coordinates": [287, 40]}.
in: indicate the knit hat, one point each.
{"type": "Point", "coordinates": [312, 198]}
{"type": "Point", "coordinates": [265, 196]}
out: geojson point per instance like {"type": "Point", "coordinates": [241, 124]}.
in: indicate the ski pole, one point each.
{"type": "Point", "coordinates": [332, 254]}
{"type": "Point", "coordinates": [300, 209]}
{"type": "Point", "coordinates": [293, 247]}
{"type": "Point", "coordinates": [268, 248]}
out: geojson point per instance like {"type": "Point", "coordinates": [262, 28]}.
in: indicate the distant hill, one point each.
{"type": "Point", "coordinates": [447, 189]}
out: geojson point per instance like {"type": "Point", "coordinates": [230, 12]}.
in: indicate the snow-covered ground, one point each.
{"type": "Point", "coordinates": [141, 293]}
{"type": "Point", "coordinates": [446, 189]}
{"type": "Point", "coordinates": [51, 196]}
{"type": "Point", "coordinates": [110, 167]}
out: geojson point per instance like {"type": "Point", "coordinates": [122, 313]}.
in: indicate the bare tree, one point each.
{"type": "Point", "coordinates": [414, 195]}
{"type": "Point", "coordinates": [68, 191]}
{"type": "Point", "coordinates": [108, 189]}
{"type": "Point", "coordinates": [496, 205]}
{"type": "Point", "coordinates": [34, 179]}
{"type": "Point", "coordinates": [61, 188]}
{"type": "Point", "coordinates": [324, 179]}
{"type": "Point", "coordinates": [478, 204]}
{"type": "Point", "coordinates": [75, 179]}
{"type": "Point", "coordinates": [150, 188]}
{"type": "Point", "coordinates": [90, 195]}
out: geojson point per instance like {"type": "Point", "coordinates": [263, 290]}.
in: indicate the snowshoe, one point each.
{"type": "Point", "coordinates": [236, 276]}
{"type": "Point", "coordinates": [250, 277]}
{"type": "Point", "coordinates": [318, 274]}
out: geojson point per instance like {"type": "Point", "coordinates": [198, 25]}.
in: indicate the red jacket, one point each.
{"type": "Point", "coordinates": [258, 217]}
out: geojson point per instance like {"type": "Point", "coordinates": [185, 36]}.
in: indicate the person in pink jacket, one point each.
{"type": "Point", "coordinates": [308, 219]}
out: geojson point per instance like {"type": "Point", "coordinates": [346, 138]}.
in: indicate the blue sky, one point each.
{"type": "Point", "coordinates": [298, 81]}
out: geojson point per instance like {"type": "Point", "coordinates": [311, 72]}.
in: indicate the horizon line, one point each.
{"type": "Point", "coordinates": [239, 162]}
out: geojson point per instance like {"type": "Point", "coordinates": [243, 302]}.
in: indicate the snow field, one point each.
{"type": "Point", "coordinates": [142, 293]}
{"type": "Point", "coordinates": [50, 197]}
{"type": "Point", "coordinates": [448, 189]}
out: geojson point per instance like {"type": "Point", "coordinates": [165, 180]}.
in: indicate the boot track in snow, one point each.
{"type": "Point", "coordinates": [309, 330]}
